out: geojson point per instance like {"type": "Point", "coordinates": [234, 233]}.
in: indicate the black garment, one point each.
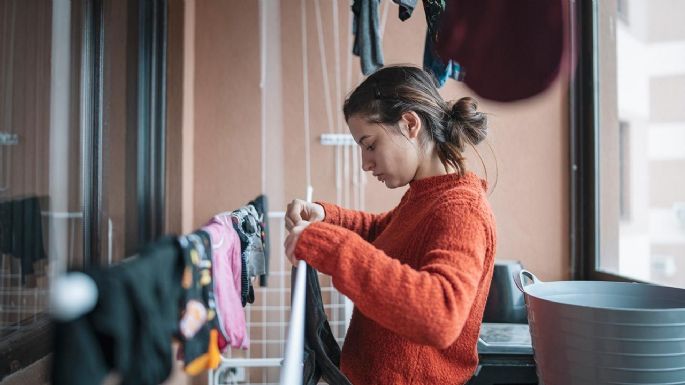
{"type": "Point", "coordinates": [261, 203]}
{"type": "Point", "coordinates": [406, 8]}
{"type": "Point", "coordinates": [198, 287]}
{"type": "Point", "coordinates": [367, 36]}
{"type": "Point", "coordinates": [130, 329]}
{"type": "Point", "coordinates": [6, 227]}
{"type": "Point", "coordinates": [21, 232]}
{"type": "Point", "coordinates": [433, 10]}
{"type": "Point", "coordinates": [245, 284]}
{"type": "Point", "coordinates": [321, 350]}
{"type": "Point", "coordinates": [247, 226]}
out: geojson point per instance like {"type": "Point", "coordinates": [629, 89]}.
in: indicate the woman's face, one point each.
{"type": "Point", "coordinates": [391, 157]}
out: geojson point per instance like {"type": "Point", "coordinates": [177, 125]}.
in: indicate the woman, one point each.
{"type": "Point", "coordinates": [419, 274]}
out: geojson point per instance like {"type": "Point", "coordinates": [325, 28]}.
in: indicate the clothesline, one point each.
{"type": "Point", "coordinates": [191, 289]}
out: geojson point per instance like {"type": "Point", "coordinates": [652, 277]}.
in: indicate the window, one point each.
{"type": "Point", "coordinates": [82, 87]}
{"type": "Point", "coordinates": [624, 171]}
{"type": "Point", "coordinates": [622, 10]}
{"type": "Point", "coordinates": [628, 141]}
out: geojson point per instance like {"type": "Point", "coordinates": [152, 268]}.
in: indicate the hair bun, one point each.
{"type": "Point", "coordinates": [467, 120]}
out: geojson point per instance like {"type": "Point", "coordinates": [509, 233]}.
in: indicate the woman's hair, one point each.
{"type": "Point", "coordinates": [391, 91]}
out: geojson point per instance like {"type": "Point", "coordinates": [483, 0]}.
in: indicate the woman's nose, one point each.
{"type": "Point", "coordinates": [367, 164]}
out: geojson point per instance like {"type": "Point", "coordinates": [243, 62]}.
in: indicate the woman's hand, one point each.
{"type": "Point", "coordinates": [291, 241]}
{"type": "Point", "coordinates": [299, 210]}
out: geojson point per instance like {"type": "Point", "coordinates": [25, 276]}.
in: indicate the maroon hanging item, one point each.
{"type": "Point", "coordinates": [509, 50]}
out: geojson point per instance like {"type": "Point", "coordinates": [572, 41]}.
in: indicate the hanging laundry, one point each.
{"type": "Point", "coordinates": [246, 223]}
{"type": "Point", "coordinates": [198, 315]}
{"type": "Point", "coordinates": [432, 62]}
{"type": "Point", "coordinates": [21, 232]}
{"type": "Point", "coordinates": [250, 232]}
{"type": "Point", "coordinates": [210, 360]}
{"type": "Point", "coordinates": [435, 65]}
{"type": "Point", "coordinates": [406, 8]}
{"type": "Point", "coordinates": [246, 290]}
{"type": "Point", "coordinates": [227, 261]}
{"type": "Point", "coordinates": [261, 204]}
{"type": "Point", "coordinates": [367, 37]}
{"type": "Point", "coordinates": [131, 328]}
{"type": "Point", "coordinates": [322, 352]}
{"type": "Point", "coordinates": [433, 10]}
{"type": "Point", "coordinates": [511, 50]}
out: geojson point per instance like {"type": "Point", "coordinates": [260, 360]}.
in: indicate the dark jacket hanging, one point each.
{"type": "Point", "coordinates": [321, 350]}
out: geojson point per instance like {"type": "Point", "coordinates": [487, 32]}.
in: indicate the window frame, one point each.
{"type": "Point", "coordinates": [151, 112]}
{"type": "Point", "coordinates": [584, 147]}
{"type": "Point", "coordinates": [33, 342]}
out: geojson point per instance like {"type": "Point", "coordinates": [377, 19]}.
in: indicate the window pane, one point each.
{"type": "Point", "coordinates": [40, 154]}
{"type": "Point", "coordinates": [118, 222]}
{"type": "Point", "coordinates": [70, 129]}
{"type": "Point", "coordinates": [641, 99]}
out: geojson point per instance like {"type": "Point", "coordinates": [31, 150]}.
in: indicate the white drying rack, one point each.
{"type": "Point", "coordinates": [289, 359]}
{"type": "Point", "coordinates": [291, 364]}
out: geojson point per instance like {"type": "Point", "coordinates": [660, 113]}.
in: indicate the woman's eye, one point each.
{"type": "Point", "coordinates": [371, 147]}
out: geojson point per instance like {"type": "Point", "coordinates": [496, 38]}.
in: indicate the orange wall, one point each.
{"type": "Point", "coordinates": [530, 138]}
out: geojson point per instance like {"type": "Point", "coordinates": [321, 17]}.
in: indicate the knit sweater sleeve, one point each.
{"type": "Point", "coordinates": [428, 305]}
{"type": "Point", "coordinates": [367, 225]}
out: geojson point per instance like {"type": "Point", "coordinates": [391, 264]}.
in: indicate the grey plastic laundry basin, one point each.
{"type": "Point", "coordinates": [613, 360]}
{"type": "Point", "coordinates": [586, 375]}
{"type": "Point", "coordinates": [589, 332]}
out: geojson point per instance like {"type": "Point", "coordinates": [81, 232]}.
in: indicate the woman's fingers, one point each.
{"type": "Point", "coordinates": [294, 223]}
{"type": "Point", "coordinates": [293, 213]}
{"type": "Point", "coordinates": [289, 224]}
{"type": "Point", "coordinates": [290, 248]}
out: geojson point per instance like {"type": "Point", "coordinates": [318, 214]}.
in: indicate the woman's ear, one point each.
{"type": "Point", "coordinates": [413, 122]}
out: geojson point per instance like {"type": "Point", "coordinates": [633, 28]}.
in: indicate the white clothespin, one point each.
{"type": "Point", "coordinates": [72, 295]}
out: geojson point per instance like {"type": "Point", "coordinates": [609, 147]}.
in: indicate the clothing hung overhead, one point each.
{"type": "Point", "coordinates": [434, 64]}
{"type": "Point", "coordinates": [406, 8]}
{"type": "Point", "coordinates": [510, 50]}
{"type": "Point", "coordinates": [367, 37]}
{"type": "Point", "coordinates": [442, 69]}
{"type": "Point", "coordinates": [368, 44]}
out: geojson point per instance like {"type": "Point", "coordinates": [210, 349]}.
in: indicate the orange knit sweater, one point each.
{"type": "Point", "coordinates": [419, 277]}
